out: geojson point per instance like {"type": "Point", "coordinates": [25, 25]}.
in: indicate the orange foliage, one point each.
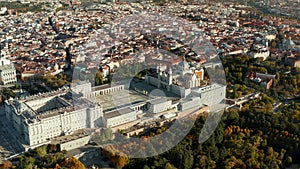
{"type": "Point", "coordinates": [6, 164]}
{"type": "Point", "coordinates": [72, 163]}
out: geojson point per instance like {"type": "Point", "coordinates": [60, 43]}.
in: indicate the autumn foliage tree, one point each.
{"type": "Point", "coordinates": [119, 160]}
{"type": "Point", "coordinates": [6, 164]}
{"type": "Point", "coordinates": [71, 163]}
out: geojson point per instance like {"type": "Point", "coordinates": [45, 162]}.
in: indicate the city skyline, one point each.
{"type": "Point", "coordinates": [150, 84]}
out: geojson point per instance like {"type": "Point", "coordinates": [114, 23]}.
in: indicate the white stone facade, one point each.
{"type": "Point", "coordinates": [120, 117]}
{"type": "Point", "coordinates": [159, 105]}
{"type": "Point", "coordinates": [264, 53]}
{"type": "Point", "coordinates": [178, 79]}
{"type": "Point", "coordinates": [211, 94]}
{"type": "Point", "coordinates": [7, 72]}
{"type": "Point", "coordinates": [41, 118]}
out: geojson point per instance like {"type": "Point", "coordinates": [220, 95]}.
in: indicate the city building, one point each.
{"type": "Point", "coordinates": [209, 94]}
{"type": "Point", "coordinates": [42, 117]}
{"type": "Point", "coordinates": [292, 60]}
{"type": "Point", "coordinates": [73, 141]}
{"type": "Point", "coordinates": [265, 80]}
{"type": "Point", "coordinates": [7, 72]}
{"type": "Point", "coordinates": [159, 105]}
{"type": "Point", "coordinates": [3, 11]}
{"type": "Point", "coordinates": [260, 49]}
{"type": "Point", "coordinates": [289, 44]}
{"type": "Point", "coordinates": [119, 117]}
{"type": "Point", "coordinates": [178, 78]}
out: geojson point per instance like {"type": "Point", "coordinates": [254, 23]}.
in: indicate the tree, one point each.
{"type": "Point", "coordinates": [223, 154]}
{"type": "Point", "coordinates": [169, 166]}
{"type": "Point", "coordinates": [188, 160]}
{"type": "Point", "coordinates": [72, 163]}
{"type": "Point", "coordinates": [146, 167]}
{"type": "Point", "coordinates": [41, 151]}
{"type": "Point", "coordinates": [55, 82]}
{"type": "Point", "coordinates": [57, 166]}
{"type": "Point", "coordinates": [273, 44]}
{"type": "Point", "coordinates": [289, 161]}
{"type": "Point", "coordinates": [122, 161]}
{"type": "Point", "coordinates": [6, 164]}
{"type": "Point", "coordinates": [233, 117]}
{"type": "Point", "coordinates": [98, 78]}
{"type": "Point", "coordinates": [108, 133]}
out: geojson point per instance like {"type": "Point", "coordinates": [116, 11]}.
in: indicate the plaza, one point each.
{"type": "Point", "coordinates": [119, 99]}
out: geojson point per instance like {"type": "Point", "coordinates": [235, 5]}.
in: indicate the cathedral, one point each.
{"type": "Point", "coordinates": [177, 78]}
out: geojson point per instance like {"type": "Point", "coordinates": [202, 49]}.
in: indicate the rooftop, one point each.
{"type": "Point", "coordinates": [64, 103]}
{"type": "Point", "coordinates": [158, 101]}
{"type": "Point", "coordinates": [63, 139]}
{"type": "Point", "coordinates": [118, 113]}
{"type": "Point", "coordinates": [7, 67]}
{"type": "Point", "coordinates": [207, 88]}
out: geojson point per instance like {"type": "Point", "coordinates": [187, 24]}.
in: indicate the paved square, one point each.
{"type": "Point", "coordinates": [120, 99]}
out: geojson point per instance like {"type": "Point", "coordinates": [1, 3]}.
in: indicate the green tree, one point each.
{"type": "Point", "coordinates": [169, 166]}
{"type": "Point", "coordinates": [233, 117]}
